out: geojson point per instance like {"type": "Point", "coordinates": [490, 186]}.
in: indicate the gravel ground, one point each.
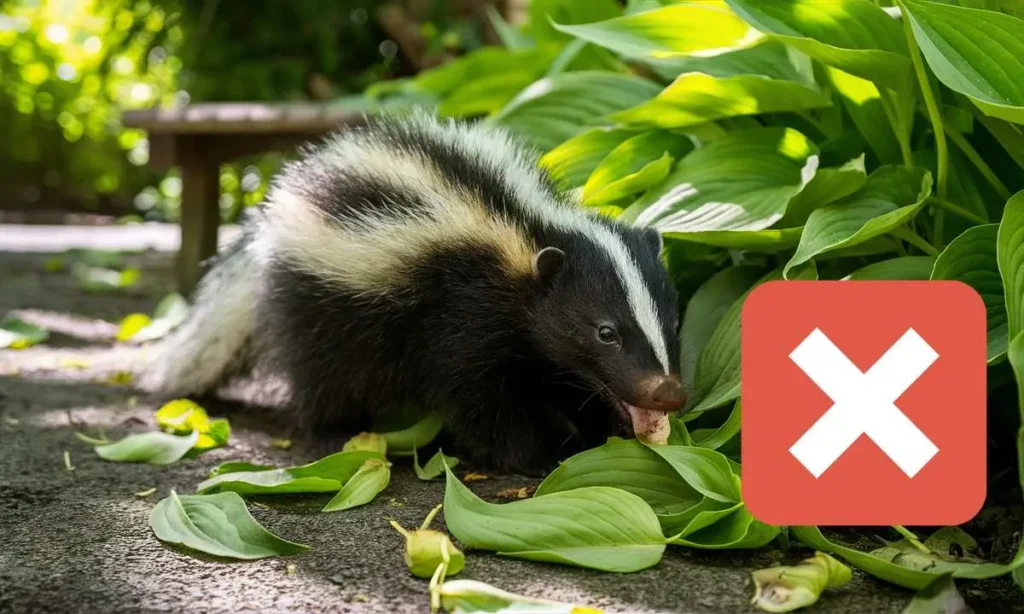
{"type": "Point", "coordinates": [79, 541]}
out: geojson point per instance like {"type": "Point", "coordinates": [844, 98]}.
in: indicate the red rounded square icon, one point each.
{"type": "Point", "coordinates": [863, 402]}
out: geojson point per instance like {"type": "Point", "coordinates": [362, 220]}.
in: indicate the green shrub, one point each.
{"type": "Point", "coordinates": [792, 138]}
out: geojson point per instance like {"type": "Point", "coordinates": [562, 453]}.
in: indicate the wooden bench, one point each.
{"type": "Point", "coordinates": [199, 138]}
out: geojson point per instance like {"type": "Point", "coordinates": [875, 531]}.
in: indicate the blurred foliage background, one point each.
{"type": "Point", "coordinates": [68, 68]}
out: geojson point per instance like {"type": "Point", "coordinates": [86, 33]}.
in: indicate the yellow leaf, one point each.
{"type": "Point", "coordinates": [182, 417]}
{"type": "Point", "coordinates": [132, 324]}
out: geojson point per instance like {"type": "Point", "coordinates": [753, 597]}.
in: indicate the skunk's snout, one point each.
{"type": "Point", "coordinates": [663, 393]}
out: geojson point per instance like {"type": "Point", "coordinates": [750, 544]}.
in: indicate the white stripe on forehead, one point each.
{"type": "Point", "coordinates": [494, 148]}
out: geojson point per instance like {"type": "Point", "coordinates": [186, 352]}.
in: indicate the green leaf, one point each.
{"type": "Point", "coordinates": [828, 186]}
{"type": "Point", "coordinates": [855, 36]}
{"type": "Point", "coordinates": [98, 279]}
{"type": "Point", "coordinates": [629, 465]}
{"type": "Point", "coordinates": [183, 416]}
{"type": "Point", "coordinates": [705, 28]}
{"type": "Point", "coordinates": [483, 63]}
{"type": "Point", "coordinates": [325, 475]}
{"type": "Point", "coordinates": [216, 524]}
{"type": "Point", "coordinates": [977, 53]}
{"type": "Point", "coordinates": [1010, 254]}
{"type": "Point", "coordinates": [435, 466]}
{"type": "Point", "coordinates": [971, 259]}
{"type": "Point", "coordinates": [904, 267]}
{"type": "Point", "coordinates": [486, 95]}
{"type": "Point", "coordinates": [705, 310]}
{"type": "Point", "coordinates": [404, 442]}
{"type": "Point", "coordinates": [170, 312]}
{"type": "Point", "coordinates": [572, 162]}
{"type": "Point", "coordinates": [17, 334]}
{"type": "Point", "coordinates": [365, 484]}
{"type": "Point", "coordinates": [731, 529]}
{"type": "Point", "coordinates": [695, 98]}
{"type": "Point", "coordinates": [1015, 354]}
{"type": "Point", "coordinates": [892, 197]}
{"type": "Point", "coordinates": [595, 527]}
{"type": "Point", "coordinates": [633, 166]}
{"type": "Point", "coordinates": [863, 101]}
{"type": "Point", "coordinates": [371, 442]}
{"type": "Point", "coordinates": [555, 109]}
{"type": "Point", "coordinates": [722, 435]}
{"type": "Point", "coordinates": [716, 379]}
{"type": "Point", "coordinates": [705, 470]}
{"type": "Point", "coordinates": [769, 240]}
{"type": "Point", "coordinates": [917, 577]}
{"type": "Point", "coordinates": [471, 596]}
{"type": "Point", "coordinates": [769, 59]}
{"type": "Point", "coordinates": [544, 13]}
{"type": "Point", "coordinates": [235, 466]}
{"type": "Point", "coordinates": [740, 182]}
{"type": "Point", "coordinates": [155, 448]}
{"type": "Point", "coordinates": [1010, 136]}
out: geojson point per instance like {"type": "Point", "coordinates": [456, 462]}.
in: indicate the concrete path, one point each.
{"type": "Point", "coordinates": [79, 541]}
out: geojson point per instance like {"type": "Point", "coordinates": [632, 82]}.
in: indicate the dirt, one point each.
{"type": "Point", "coordinates": [79, 540]}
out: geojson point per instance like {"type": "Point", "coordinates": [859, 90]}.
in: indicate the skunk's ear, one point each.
{"type": "Point", "coordinates": [547, 263]}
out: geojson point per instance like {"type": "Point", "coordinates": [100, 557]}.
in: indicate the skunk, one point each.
{"type": "Point", "coordinates": [416, 262]}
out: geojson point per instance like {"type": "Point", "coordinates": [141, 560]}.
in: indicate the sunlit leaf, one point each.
{"type": "Point", "coordinates": [171, 311]}
{"type": "Point", "coordinates": [828, 186]}
{"type": "Point", "coordinates": [328, 474]}
{"type": "Point", "coordinates": [364, 485]}
{"type": "Point", "coordinates": [695, 98]}
{"type": "Point", "coordinates": [633, 166]}
{"type": "Point", "coordinates": [17, 334]}
{"type": "Point", "coordinates": [572, 162]}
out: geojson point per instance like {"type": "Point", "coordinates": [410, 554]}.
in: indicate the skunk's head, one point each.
{"type": "Point", "coordinates": [607, 313]}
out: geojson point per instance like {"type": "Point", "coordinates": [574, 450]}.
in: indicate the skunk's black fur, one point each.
{"type": "Point", "coordinates": [432, 283]}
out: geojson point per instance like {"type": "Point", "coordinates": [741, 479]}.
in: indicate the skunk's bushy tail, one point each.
{"type": "Point", "coordinates": [214, 341]}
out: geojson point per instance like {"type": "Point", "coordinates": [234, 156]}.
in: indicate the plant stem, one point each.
{"type": "Point", "coordinates": [957, 210]}
{"type": "Point", "coordinates": [972, 154]}
{"type": "Point", "coordinates": [936, 119]}
{"type": "Point", "coordinates": [913, 539]}
{"type": "Point", "coordinates": [915, 239]}
{"type": "Point", "coordinates": [889, 106]}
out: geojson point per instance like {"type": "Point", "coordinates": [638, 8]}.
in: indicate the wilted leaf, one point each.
{"type": "Point", "coordinates": [695, 98]}
{"type": "Point", "coordinates": [371, 442]}
{"type": "Point", "coordinates": [473, 597]}
{"type": "Point", "coordinates": [17, 334]}
{"type": "Point", "coordinates": [328, 474]}
{"type": "Point", "coordinates": [362, 487]}
{"type": "Point", "coordinates": [787, 588]}
{"type": "Point", "coordinates": [939, 597]}
{"type": "Point", "coordinates": [596, 527]}
{"type": "Point", "coordinates": [154, 448]}
{"type": "Point", "coordinates": [426, 549]}
{"type": "Point", "coordinates": [216, 524]}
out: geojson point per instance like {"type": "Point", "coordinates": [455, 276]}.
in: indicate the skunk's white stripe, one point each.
{"type": "Point", "coordinates": [494, 147]}
{"type": "Point", "coordinates": [368, 251]}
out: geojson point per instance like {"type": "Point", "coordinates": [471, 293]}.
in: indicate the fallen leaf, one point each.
{"type": "Point", "coordinates": [426, 549]}
{"type": "Point", "coordinates": [119, 378]}
{"type": "Point", "coordinates": [282, 444]}
{"type": "Point", "coordinates": [17, 334]}
{"type": "Point", "coordinates": [74, 363]}
{"type": "Point", "coordinates": [367, 441]}
{"type": "Point", "coordinates": [434, 467]}
{"type": "Point", "coordinates": [474, 477]}
{"type": "Point", "coordinates": [471, 596]}
{"type": "Point", "coordinates": [146, 493]}
{"type": "Point", "coordinates": [362, 487]}
{"type": "Point", "coordinates": [939, 597]}
{"type": "Point", "coordinates": [516, 493]}
{"type": "Point", "coordinates": [67, 461]}
{"type": "Point", "coordinates": [131, 324]}
{"type": "Point", "coordinates": [790, 587]}
{"type": "Point", "coordinates": [290, 569]}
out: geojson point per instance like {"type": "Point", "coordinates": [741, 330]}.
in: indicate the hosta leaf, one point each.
{"type": "Point", "coordinates": [740, 182]}
{"type": "Point", "coordinates": [695, 98]}
{"type": "Point", "coordinates": [131, 324]}
{"type": "Point", "coordinates": [154, 448]}
{"type": "Point", "coordinates": [975, 52]}
{"type": "Point", "coordinates": [736, 530]}
{"type": "Point", "coordinates": [891, 198]}
{"type": "Point", "coordinates": [557, 108]}
{"type": "Point", "coordinates": [767, 240]}
{"type": "Point", "coordinates": [828, 186]}
{"type": "Point", "coordinates": [170, 312]}
{"type": "Point", "coordinates": [328, 474]}
{"type": "Point", "coordinates": [217, 524]}
{"type": "Point", "coordinates": [863, 101]}
{"type": "Point", "coordinates": [629, 465]}
{"type": "Point", "coordinates": [17, 334]}
{"type": "Point", "coordinates": [789, 587]}
{"type": "Point", "coordinates": [904, 267]}
{"type": "Point", "coordinates": [705, 470]}
{"type": "Point", "coordinates": [853, 35]}
{"type": "Point", "coordinates": [234, 466]}
{"type": "Point", "coordinates": [486, 95]}
{"type": "Point", "coordinates": [916, 577]}
{"type": "Point", "coordinates": [471, 597]}
{"type": "Point", "coordinates": [706, 309]}
{"type": "Point", "coordinates": [597, 527]}
{"type": "Point", "coordinates": [545, 13]}
{"type": "Point", "coordinates": [481, 63]}
{"type": "Point", "coordinates": [433, 467]}
{"type": "Point", "coordinates": [572, 162]}
{"type": "Point", "coordinates": [704, 28]}
{"type": "Point", "coordinates": [726, 432]}
{"type": "Point", "coordinates": [1010, 136]}
{"type": "Point", "coordinates": [1010, 250]}
{"type": "Point", "coordinates": [939, 597]}
{"type": "Point", "coordinates": [633, 166]}
{"type": "Point", "coordinates": [403, 442]}
{"type": "Point", "coordinates": [365, 484]}
{"type": "Point", "coordinates": [971, 259]}
{"type": "Point", "coordinates": [716, 379]}
{"type": "Point", "coordinates": [769, 59]}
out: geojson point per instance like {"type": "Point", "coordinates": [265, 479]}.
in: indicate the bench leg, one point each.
{"type": "Point", "coordinates": [200, 216]}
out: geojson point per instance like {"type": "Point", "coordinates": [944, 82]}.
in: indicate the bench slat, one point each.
{"type": "Point", "coordinates": [228, 118]}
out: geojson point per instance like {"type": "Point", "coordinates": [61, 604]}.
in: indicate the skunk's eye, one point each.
{"type": "Point", "coordinates": [606, 333]}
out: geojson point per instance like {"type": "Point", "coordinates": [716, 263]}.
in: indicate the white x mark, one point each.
{"type": "Point", "coordinates": [864, 403]}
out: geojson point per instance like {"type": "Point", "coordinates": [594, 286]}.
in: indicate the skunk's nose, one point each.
{"type": "Point", "coordinates": [665, 393]}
